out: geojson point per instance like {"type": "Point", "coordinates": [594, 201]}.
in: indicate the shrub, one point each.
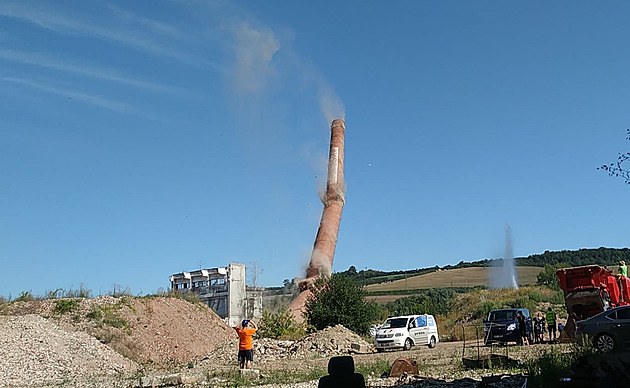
{"type": "Point", "coordinates": [25, 296]}
{"type": "Point", "coordinates": [280, 325]}
{"type": "Point", "coordinates": [485, 308]}
{"type": "Point", "coordinates": [558, 297]}
{"type": "Point", "coordinates": [339, 300]}
{"type": "Point", "coordinates": [434, 301]}
{"type": "Point", "coordinates": [536, 296]}
{"type": "Point", "coordinates": [63, 306]}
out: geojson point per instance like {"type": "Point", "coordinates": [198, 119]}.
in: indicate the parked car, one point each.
{"type": "Point", "coordinates": [406, 331]}
{"type": "Point", "coordinates": [608, 330]}
{"type": "Point", "coordinates": [501, 326]}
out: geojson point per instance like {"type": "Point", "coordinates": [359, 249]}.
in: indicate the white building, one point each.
{"type": "Point", "coordinates": [224, 290]}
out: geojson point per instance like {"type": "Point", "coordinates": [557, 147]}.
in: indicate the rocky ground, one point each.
{"type": "Point", "coordinates": [133, 342]}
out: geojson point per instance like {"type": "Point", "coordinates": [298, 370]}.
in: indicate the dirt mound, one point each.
{"type": "Point", "coordinates": [35, 351]}
{"type": "Point", "coordinates": [171, 329]}
{"type": "Point", "coordinates": [152, 330]}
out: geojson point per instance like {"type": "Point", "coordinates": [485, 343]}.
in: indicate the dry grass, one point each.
{"type": "Point", "coordinates": [461, 277]}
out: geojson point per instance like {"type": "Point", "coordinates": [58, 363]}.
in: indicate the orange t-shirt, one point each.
{"type": "Point", "coordinates": [245, 338]}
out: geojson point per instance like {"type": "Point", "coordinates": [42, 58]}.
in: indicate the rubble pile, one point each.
{"type": "Point", "coordinates": [330, 341]}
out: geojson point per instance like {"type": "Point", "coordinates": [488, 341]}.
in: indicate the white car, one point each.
{"type": "Point", "coordinates": [406, 331]}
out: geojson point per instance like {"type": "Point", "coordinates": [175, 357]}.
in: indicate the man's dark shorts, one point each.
{"type": "Point", "coordinates": [551, 328]}
{"type": "Point", "coordinates": [245, 355]}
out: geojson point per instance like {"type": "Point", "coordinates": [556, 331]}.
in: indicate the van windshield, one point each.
{"type": "Point", "coordinates": [394, 323]}
{"type": "Point", "coordinates": [501, 315]}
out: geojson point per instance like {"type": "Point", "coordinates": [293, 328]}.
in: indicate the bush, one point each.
{"type": "Point", "coordinates": [280, 325]}
{"type": "Point", "coordinates": [434, 301]}
{"type": "Point", "coordinates": [63, 306]}
{"type": "Point", "coordinates": [547, 277]}
{"type": "Point", "coordinates": [339, 300]}
{"type": "Point", "coordinates": [25, 296]}
{"type": "Point", "coordinates": [485, 308]}
{"type": "Point", "coordinates": [536, 296]}
{"type": "Point", "coordinates": [558, 297]}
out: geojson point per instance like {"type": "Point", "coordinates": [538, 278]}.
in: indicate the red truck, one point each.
{"type": "Point", "coordinates": [588, 291]}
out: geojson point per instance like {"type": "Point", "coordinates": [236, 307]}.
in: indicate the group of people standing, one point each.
{"type": "Point", "coordinates": [544, 322]}
{"type": "Point", "coordinates": [540, 322]}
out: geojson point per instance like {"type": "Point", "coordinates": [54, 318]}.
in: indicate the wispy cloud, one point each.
{"type": "Point", "coordinates": [86, 70]}
{"type": "Point", "coordinates": [76, 95]}
{"type": "Point", "coordinates": [153, 25]}
{"type": "Point", "coordinates": [127, 34]}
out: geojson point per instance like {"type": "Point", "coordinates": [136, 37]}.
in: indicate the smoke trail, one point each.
{"type": "Point", "coordinates": [254, 49]}
{"type": "Point", "coordinates": [329, 102]}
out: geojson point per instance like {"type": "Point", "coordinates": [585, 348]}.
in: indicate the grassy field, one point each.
{"type": "Point", "coordinates": [461, 277]}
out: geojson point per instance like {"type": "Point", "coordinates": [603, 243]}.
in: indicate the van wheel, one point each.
{"type": "Point", "coordinates": [408, 344]}
{"type": "Point", "coordinates": [432, 343]}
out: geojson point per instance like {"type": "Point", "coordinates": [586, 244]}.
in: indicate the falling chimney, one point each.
{"type": "Point", "coordinates": [326, 240]}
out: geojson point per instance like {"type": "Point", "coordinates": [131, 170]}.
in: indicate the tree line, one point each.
{"type": "Point", "coordinates": [566, 258]}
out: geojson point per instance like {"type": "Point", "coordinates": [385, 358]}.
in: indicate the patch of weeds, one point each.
{"type": "Point", "coordinates": [61, 293]}
{"type": "Point", "coordinates": [291, 376]}
{"type": "Point", "coordinates": [96, 313]}
{"type": "Point", "coordinates": [536, 296]}
{"type": "Point", "coordinates": [63, 306]}
{"type": "Point", "coordinates": [115, 321]}
{"type": "Point", "coordinates": [191, 364]}
{"type": "Point", "coordinates": [119, 292]}
{"type": "Point", "coordinates": [545, 370]}
{"type": "Point", "coordinates": [275, 377]}
{"type": "Point", "coordinates": [25, 296]}
{"type": "Point", "coordinates": [375, 368]}
{"type": "Point", "coordinates": [108, 315]}
{"type": "Point", "coordinates": [557, 298]}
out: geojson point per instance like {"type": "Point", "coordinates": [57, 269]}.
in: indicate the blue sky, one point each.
{"type": "Point", "coordinates": [140, 139]}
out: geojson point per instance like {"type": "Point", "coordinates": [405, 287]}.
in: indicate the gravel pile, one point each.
{"type": "Point", "coordinates": [36, 352]}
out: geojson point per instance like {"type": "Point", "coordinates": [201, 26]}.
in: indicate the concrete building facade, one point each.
{"type": "Point", "coordinates": [223, 289]}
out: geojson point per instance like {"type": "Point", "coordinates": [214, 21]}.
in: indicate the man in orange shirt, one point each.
{"type": "Point", "coordinates": [245, 346]}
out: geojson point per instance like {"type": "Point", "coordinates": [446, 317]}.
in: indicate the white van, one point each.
{"type": "Point", "coordinates": [406, 331]}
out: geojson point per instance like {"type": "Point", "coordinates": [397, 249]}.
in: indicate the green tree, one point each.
{"type": "Point", "coordinates": [280, 325]}
{"type": "Point", "coordinates": [339, 300]}
{"type": "Point", "coordinates": [547, 277]}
